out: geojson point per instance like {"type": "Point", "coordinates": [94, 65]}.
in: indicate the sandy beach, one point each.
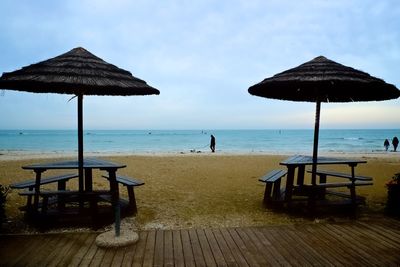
{"type": "Point", "coordinates": [203, 190]}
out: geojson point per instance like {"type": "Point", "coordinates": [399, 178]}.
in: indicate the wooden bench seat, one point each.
{"type": "Point", "coordinates": [352, 183]}
{"type": "Point", "coordinates": [60, 179]}
{"type": "Point", "coordinates": [345, 184]}
{"type": "Point", "coordinates": [272, 182]}
{"type": "Point", "coordinates": [325, 173]}
{"type": "Point", "coordinates": [130, 183]}
{"type": "Point", "coordinates": [62, 196]}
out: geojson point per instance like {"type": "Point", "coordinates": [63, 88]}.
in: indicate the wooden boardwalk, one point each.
{"type": "Point", "coordinates": [358, 243]}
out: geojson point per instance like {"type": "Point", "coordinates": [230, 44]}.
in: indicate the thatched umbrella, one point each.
{"type": "Point", "coordinates": [323, 80]}
{"type": "Point", "coordinates": [77, 72]}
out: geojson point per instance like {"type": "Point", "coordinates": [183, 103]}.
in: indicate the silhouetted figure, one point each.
{"type": "Point", "coordinates": [386, 144]}
{"type": "Point", "coordinates": [212, 143]}
{"type": "Point", "coordinates": [395, 143]}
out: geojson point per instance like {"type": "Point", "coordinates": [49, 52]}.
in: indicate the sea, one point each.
{"type": "Point", "coordinates": [279, 141]}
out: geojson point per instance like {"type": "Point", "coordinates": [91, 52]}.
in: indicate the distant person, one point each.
{"type": "Point", "coordinates": [386, 144]}
{"type": "Point", "coordinates": [212, 143]}
{"type": "Point", "coordinates": [395, 143]}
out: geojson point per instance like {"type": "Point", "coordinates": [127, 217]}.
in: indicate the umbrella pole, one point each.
{"type": "Point", "coordinates": [316, 137]}
{"type": "Point", "coordinates": [80, 141]}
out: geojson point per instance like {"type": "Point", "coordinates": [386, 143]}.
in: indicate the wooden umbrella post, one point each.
{"type": "Point", "coordinates": [316, 138]}
{"type": "Point", "coordinates": [80, 141]}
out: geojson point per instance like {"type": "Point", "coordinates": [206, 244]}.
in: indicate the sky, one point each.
{"type": "Point", "coordinates": [202, 55]}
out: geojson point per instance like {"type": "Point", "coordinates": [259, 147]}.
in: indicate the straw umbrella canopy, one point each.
{"type": "Point", "coordinates": [323, 80]}
{"type": "Point", "coordinates": [77, 72]}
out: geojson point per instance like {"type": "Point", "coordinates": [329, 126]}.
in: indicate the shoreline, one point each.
{"type": "Point", "coordinates": [27, 155]}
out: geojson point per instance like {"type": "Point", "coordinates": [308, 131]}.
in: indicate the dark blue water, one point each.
{"type": "Point", "coordinates": [176, 141]}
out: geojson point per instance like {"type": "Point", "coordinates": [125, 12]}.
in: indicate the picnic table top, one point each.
{"type": "Point", "coordinates": [90, 163]}
{"type": "Point", "coordinates": [308, 160]}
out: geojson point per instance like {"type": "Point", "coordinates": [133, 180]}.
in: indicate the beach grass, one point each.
{"type": "Point", "coordinates": [204, 190]}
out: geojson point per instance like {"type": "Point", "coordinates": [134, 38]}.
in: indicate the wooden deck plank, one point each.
{"type": "Point", "coordinates": [64, 256]}
{"type": "Point", "coordinates": [9, 248]}
{"type": "Point", "coordinates": [30, 252]}
{"type": "Point", "coordinates": [82, 250]}
{"type": "Point", "coordinates": [54, 251]}
{"type": "Point", "coordinates": [337, 244]}
{"type": "Point", "coordinates": [108, 257]}
{"type": "Point", "coordinates": [177, 249]}
{"type": "Point", "coordinates": [159, 249]}
{"type": "Point", "coordinates": [339, 241]}
{"type": "Point", "coordinates": [168, 249]}
{"type": "Point", "coordinates": [205, 247]}
{"type": "Point", "coordinates": [77, 244]}
{"type": "Point", "coordinates": [28, 255]}
{"type": "Point", "coordinates": [119, 256]}
{"type": "Point", "coordinates": [58, 250]}
{"type": "Point", "coordinates": [292, 236]}
{"type": "Point", "coordinates": [391, 237]}
{"type": "Point", "coordinates": [333, 244]}
{"type": "Point", "coordinates": [350, 240]}
{"type": "Point", "coordinates": [197, 252]}
{"type": "Point", "coordinates": [251, 256]}
{"type": "Point", "coordinates": [215, 249]}
{"type": "Point", "coordinates": [234, 249]}
{"type": "Point", "coordinates": [127, 258]}
{"type": "Point", "coordinates": [98, 257]}
{"type": "Point", "coordinates": [293, 249]}
{"type": "Point", "coordinates": [371, 245]}
{"type": "Point", "coordinates": [324, 244]}
{"type": "Point", "coordinates": [226, 252]}
{"type": "Point", "coordinates": [267, 254]}
{"type": "Point", "coordinates": [87, 258]}
{"type": "Point", "coordinates": [149, 249]}
{"type": "Point", "coordinates": [280, 248]}
{"type": "Point", "coordinates": [187, 249]}
{"type": "Point", "coordinates": [138, 255]}
{"type": "Point", "coordinates": [267, 242]}
{"type": "Point", "coordinates": [317, 247]}
{"type": "Point", "coordinates": [251, 247]}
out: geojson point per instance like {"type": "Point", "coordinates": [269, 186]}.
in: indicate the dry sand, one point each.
{"type": "Point", "coordinates": [204, 190]}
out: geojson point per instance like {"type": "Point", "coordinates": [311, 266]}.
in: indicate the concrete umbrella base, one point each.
{"type": "Point", "coordinates": [128, 235]}
{"type": "Point", "coordinates": [109, 240]}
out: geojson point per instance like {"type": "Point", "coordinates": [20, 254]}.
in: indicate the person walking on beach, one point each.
{"type": "Point", "coordinates": [395, 143]}
{"type": "Point", "coordinates": [386, 144]}
{"type": "Point", "coordinates": [212, 143]}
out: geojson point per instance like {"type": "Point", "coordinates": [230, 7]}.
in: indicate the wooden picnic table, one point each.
{"type": "Point", "coordinates": [86, 191]}
{"type": "Point", "coordinates": [300, 162]}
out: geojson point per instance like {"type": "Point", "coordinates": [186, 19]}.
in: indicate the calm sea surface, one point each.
{"type": "Point", "coordinates": [177, 141]}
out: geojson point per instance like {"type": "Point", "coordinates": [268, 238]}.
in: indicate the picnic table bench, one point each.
{"type": "Point", "coordinates": [61, 181]}
{"type": "Point", "coordinates": [130, 183]}
{"type": "Point", "coordinates": [61, 196]}
{"type": "Point", "coordinates": [352, 182]}
{"type": "Point", "coordinates": [272, 182]}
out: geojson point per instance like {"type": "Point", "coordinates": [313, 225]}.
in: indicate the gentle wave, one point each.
{"type": "Point", "coordinates": [176, 141]}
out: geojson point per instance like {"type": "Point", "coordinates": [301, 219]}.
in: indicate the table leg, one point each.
{"type": "Point", "coordinates": [88, 180]}
{"type": "Point", "coordinates": [300, 174]}
{"type": "Point", "coordinates": [115, 199]}
{"type": "Point", "coordinates": [37, 190]}
{"type": "Point", "coordinates": [86, 186]}
{"type": "Point", "coordinates": [353, 188]}
{"type": "Point", "coordinates": [289, 183]}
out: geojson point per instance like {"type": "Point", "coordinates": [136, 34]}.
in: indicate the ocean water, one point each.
{"type": "Point", "coordinates": [186, 141]}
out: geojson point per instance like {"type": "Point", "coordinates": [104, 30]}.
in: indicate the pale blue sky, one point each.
{"type": "Point", "coordinates": [202, 56]}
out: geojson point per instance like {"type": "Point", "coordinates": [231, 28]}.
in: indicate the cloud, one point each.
{"type": "Point", "coordinates": [203, 55]}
